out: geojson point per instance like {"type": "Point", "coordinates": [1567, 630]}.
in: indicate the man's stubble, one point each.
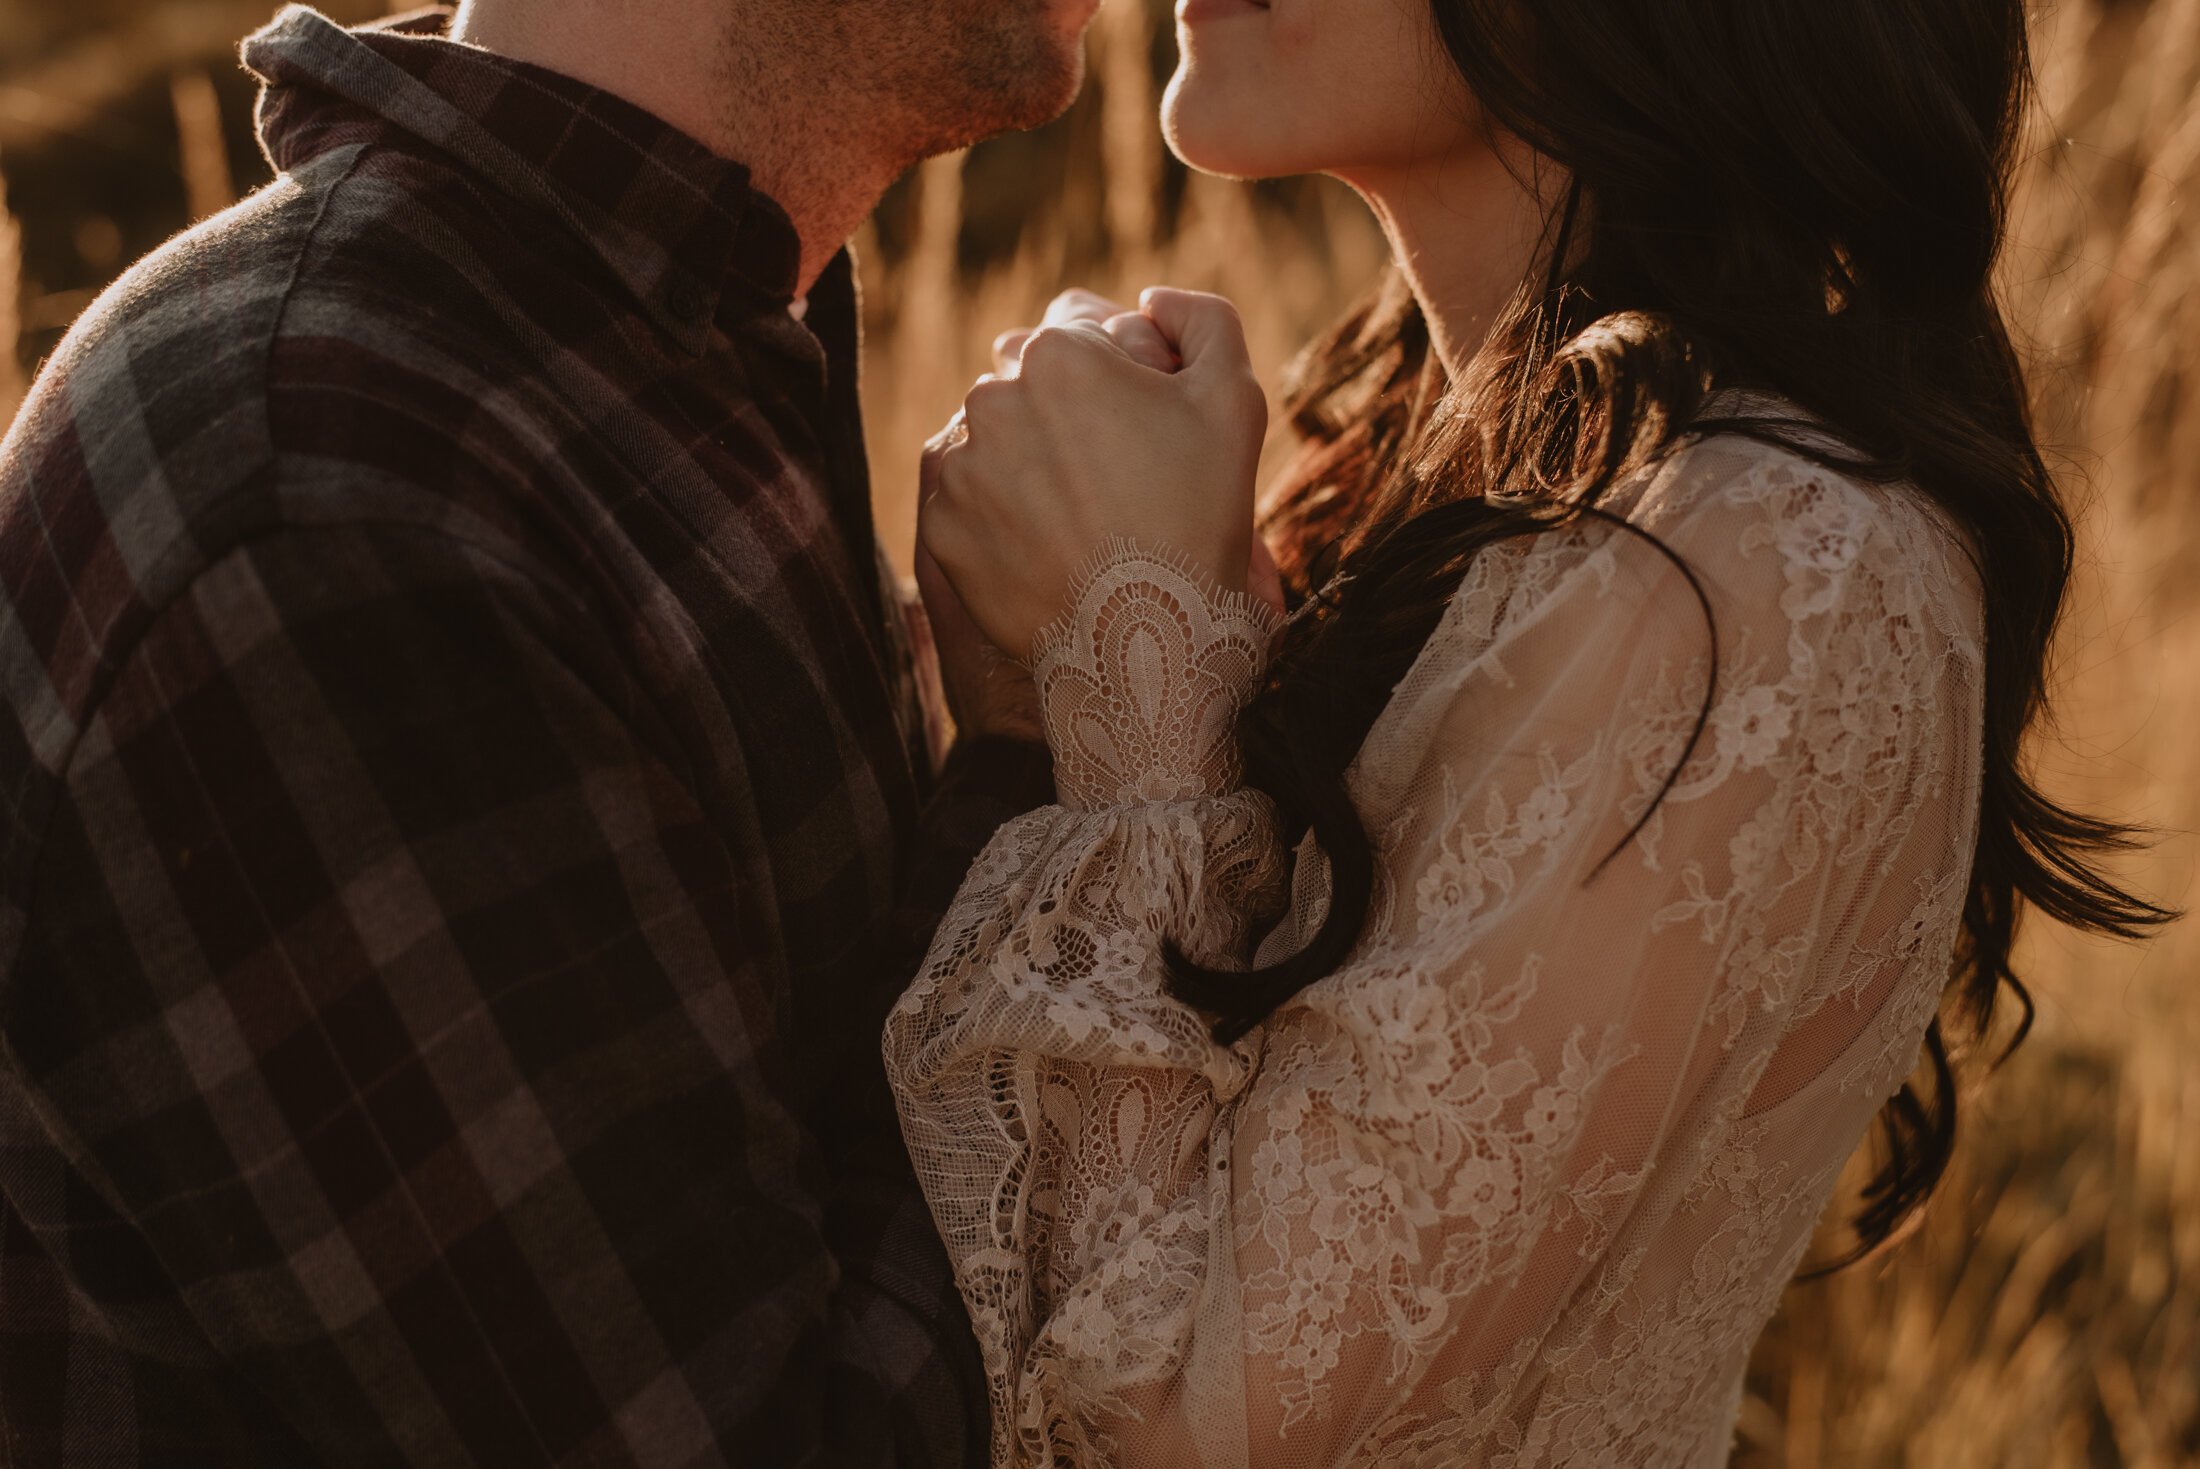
{"type": "Point", "coordinates": [907, 79]}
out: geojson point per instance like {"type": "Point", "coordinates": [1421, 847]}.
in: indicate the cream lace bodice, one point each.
{"type": "Point", "coordinates": [1522, 1181]}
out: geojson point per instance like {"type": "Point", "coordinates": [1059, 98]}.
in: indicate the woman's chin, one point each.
{"type": "Point", "coordinates": [1219, 139]}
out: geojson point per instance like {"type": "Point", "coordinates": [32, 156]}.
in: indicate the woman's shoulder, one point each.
{"type": "Point", "coordinates": [1765, 520]}
{"type": "Point", "coordinates": [1793, 558]}
{"type": "Point", "coordinates": [1770, 465]}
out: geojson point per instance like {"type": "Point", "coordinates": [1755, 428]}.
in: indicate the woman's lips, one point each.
{"type": "Point", "coordinates": [1197, 10]}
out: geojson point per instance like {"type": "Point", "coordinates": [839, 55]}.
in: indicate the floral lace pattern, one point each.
{"type": "Point", "coordinates": [1144, 675]}
{"type": "Point", "coordinates": [1522, 1180]}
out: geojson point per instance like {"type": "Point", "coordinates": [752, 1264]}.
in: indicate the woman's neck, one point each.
{"type": "Point", "coordinates": [1465, 231]}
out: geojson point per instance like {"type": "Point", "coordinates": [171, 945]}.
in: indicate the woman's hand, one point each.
{"type": "Point", "coordinates": [1131, 330]}
{"type": "Point", "coordinates": [986, 693]}
{"type": "Point", "coordinates": [1086, 441]}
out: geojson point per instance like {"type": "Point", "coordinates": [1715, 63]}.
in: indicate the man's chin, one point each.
{"type": "Point", "coordinates": [1035, 94]}
{"type": "Point", "coordinates": [1052, 96]}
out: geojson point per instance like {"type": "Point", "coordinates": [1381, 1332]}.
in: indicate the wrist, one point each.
{"type": "Point", "coordinates": [993, 698]}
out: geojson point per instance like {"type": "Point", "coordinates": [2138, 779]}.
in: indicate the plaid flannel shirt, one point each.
{"type": "Point", "coordinates": [468, 820]}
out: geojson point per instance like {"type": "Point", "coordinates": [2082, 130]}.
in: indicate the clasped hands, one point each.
{"type": "Point", "coordinates": [1102, 421]}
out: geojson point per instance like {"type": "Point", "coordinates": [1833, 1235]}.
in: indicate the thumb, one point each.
{"type": "Point", "coordinates": [1141, 341]}
{"type": "Point", "coordinates": [1204, 329]}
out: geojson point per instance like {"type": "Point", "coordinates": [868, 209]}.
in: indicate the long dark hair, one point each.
{"type": "Point", "coordinates": [1786, 195]}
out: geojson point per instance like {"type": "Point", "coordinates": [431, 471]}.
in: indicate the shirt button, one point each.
{"type": "Point", "coordinates": [686, 303]}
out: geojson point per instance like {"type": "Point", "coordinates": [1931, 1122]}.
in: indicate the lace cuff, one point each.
{"type": "Point", "coordinates": [1141, 680]}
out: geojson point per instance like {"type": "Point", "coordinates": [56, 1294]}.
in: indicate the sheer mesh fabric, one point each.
{"type": "Point", "coordinates": [1523, 1181]}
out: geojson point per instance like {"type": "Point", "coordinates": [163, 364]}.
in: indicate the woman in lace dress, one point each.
{"type": "Point", "coordinates": [1427, 1031]}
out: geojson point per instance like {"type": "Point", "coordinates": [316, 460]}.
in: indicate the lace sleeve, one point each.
{"type": "Point", "coordinates": [1142, 678]}
{"type": "Point", "coordinates": [1521, 1181]}
{"type": "Point", "coordinates": [1051, 1093]}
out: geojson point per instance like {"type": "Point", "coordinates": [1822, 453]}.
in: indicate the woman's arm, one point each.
{"type": "Point", "coordinates": [1360, 1226]}
{"type": "Point", "coordinates": [1049, 1087]}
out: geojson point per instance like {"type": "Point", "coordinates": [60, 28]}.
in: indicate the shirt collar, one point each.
{"type": "Point", "coordinates": [677, 224]}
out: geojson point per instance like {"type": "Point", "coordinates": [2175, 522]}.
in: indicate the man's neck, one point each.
{"type": "Point", "coordinates": [757, 96]}
{"type": "Point", "coordinates": [1465, 232]}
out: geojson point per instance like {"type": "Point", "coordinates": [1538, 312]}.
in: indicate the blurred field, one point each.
{"type": "Point", "coordinates": [2049, 1313]}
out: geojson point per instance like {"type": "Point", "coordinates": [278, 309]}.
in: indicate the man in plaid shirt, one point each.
{"type": "Point", "coordinates": [469, 804]}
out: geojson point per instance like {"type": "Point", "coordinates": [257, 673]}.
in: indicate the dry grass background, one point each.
{"type": "Point", "coordinates": [2049, 1313]}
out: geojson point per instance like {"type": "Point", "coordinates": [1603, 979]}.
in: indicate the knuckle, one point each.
{"type": "Point", "coordinates": [1049, 348]}
{"type": "Point", "coordinates": [985, 401]}
{"type": "Point", "coordinates": [1076, 298]}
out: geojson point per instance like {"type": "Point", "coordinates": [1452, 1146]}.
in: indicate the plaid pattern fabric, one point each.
{"type": "Point", "coordinates": [467, 821]}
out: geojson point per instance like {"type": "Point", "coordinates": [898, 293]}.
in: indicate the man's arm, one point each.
{"type": "Point", "coordinates": [385, 976]}
{"type": "Point", "coordinates": [987, 781]}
